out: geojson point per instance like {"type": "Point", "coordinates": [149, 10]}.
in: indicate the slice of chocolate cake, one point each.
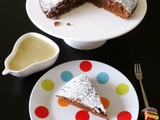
{"type": "Point", "coordinates": [80, 92]}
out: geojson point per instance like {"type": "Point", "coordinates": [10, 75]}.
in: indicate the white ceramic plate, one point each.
{"type": "Point", "coordinates": [88, 23]}
{"type": "Point", "coordinates": [120, 98]}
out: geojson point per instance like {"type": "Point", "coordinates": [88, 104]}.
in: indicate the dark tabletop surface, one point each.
{"type": "Point", "coordinates": [139, 45]}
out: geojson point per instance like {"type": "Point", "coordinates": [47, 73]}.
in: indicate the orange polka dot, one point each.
{"type": "Point", "coordinates": [62, 102]}
{"type": "Point", "coordinates": [105, 102]}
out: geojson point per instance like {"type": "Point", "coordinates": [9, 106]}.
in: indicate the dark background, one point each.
{"type": "Point", "coordinates": [140, 45]}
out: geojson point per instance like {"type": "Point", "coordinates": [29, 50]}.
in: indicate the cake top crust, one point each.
{"type": "Point", "coordinates": [129, 5]}
{"type": "Point", "coordinates": [48, 5]}
{"type": "Point", "coordinates": [80, 89]}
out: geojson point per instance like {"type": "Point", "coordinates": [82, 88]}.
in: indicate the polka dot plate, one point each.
{"type": "Point", "coordinates": [116, 92]}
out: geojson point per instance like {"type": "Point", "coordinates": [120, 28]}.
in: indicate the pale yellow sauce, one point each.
{"type": "Point", "coordinates": [30, 51]}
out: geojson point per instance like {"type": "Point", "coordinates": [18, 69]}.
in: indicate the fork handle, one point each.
{"type": "Point", "coordinates": [144, 94]}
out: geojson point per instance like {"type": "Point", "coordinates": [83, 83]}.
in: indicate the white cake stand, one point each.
{"type": "Point", "coordinates": [90, 26]}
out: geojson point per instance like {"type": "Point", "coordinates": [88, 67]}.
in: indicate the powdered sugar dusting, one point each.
{"type": "Point", "coordinates": [129, 5]}
{"type": "Point", "coordinates": [80, 89]}
{"type": "Point", "coordinates": [47, 5]}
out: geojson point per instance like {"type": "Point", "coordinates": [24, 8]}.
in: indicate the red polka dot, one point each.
{"type": "Point", "coordinates": [124, 115]}
{"type": "Point", "coordinates": [82, 115]}
{"type": "Point", "coordinates": [41, 112]}
{"type": "Point", "coordinates": [85, 66]}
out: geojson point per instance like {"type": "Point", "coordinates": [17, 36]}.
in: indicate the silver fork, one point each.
{"type": "Point", "coordinates": [148, 112]}
{"type": "Point", "coordinates": [139, 76]}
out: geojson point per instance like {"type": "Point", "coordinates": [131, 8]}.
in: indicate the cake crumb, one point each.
{"type": "Point", "coordinates": [68, 24]}
{"type": "Point", "coordinates": [56, 23]}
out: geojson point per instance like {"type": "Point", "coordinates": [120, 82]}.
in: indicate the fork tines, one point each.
{"type": "Point", "coordinates": [138, 71]}
{"type": "Point", "coordinates": [137, 67]}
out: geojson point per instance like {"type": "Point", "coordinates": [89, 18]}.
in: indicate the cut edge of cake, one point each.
{"type": "Point", "coordinates": [80, 93]}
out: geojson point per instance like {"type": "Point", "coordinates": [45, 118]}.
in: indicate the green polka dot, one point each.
{"type": "Point", "coordinates": [47, 85]}
{"type": "Point", "coordinates": [122, 89]}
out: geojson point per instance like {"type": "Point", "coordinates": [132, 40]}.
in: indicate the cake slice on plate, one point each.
{"type": "Point", "coordinates": [80, 92]}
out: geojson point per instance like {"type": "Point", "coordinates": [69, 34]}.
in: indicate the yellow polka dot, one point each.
{"type": "Point", "coordinates": [122, 89]}
{"type": "Point", "coordinates": [47, 85]}
{"type": "Point", "coordinates": [62, 102]}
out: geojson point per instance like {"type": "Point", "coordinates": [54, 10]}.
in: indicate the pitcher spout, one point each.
{"type": "Point", "coordinates": [5, 71]}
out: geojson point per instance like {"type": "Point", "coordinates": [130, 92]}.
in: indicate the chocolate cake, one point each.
{"type": "Point", "coordinates": [55, 8]}
{"type": "Point", "coordinates": [80, 92]}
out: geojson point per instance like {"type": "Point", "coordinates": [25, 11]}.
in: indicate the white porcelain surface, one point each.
{"type": "Point", "coordinates": [88, 23]}
{"type": "Point", "coordinates": [85, 45]}
{"type": "Point", "coordinates": [120, 105]}
{"type": "Point", "coordinates": [35, 67]}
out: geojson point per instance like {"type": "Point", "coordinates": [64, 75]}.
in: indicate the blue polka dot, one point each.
{"type": "Point", "coordinates": [66, 76]}
{"type": "Point", "coordinates": [102, 78]}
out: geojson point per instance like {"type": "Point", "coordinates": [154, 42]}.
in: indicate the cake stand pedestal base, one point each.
{"type": "Point", "coordinates": [85, 45]}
